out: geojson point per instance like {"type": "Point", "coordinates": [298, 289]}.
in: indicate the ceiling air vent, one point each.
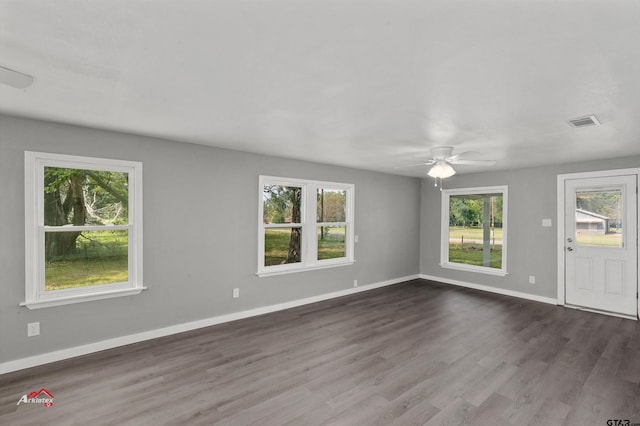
{"type": "Point", "coordinates": [580, 122]}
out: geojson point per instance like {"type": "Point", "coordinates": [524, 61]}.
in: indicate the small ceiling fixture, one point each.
{"type": "Point", "coordinates": [442, 159]}
{"type": "Point", "coordinates": [586, 121]}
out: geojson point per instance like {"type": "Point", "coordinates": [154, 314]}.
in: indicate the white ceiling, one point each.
{"type": "Point", "coordinates": [369, 84]}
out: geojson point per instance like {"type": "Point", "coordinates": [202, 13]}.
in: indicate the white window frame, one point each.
{"type": "Point", "coordinates": [309, 249]}
{"type": "Point", "coordinates": [35, 294]}
{"type": "Point", "coordinates": [444, 232]}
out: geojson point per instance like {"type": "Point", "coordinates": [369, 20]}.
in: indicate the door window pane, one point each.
{"type": "Point", "coordinates": [599, 217]}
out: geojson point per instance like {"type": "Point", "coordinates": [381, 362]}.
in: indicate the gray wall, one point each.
{"type": "Point", "coordinates": [200, 235]}
{"type": "Point", "coordinates": [531, 248]}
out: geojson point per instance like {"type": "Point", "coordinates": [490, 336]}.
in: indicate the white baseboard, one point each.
{"type": "Point", "coordinates": [33, 361]}
{"type": "Point", "coordinates": [519, 294]}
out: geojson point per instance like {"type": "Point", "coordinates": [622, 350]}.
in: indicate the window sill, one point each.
{"type": "Point", "coordinates": [268, 273]}
{"type": "Point", "coordinates": [478, 269]}
{"type": "Point", "coordinates": [66, 300]}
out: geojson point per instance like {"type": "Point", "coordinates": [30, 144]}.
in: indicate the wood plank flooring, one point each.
{"type": "Point", "coordinates": [414, 353]}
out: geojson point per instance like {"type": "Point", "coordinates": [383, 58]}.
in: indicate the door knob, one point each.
{"type": "Point", "coordinates": [570, 240]}
{"type": "Point", "coordinates": [569, 248]}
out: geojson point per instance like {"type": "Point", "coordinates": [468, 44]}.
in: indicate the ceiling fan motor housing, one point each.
{"type": "Point", "coordinates": [441, 152]}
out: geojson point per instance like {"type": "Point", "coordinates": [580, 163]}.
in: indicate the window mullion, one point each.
{"type": "Point", "coordinates": [444, 229]}
{"type": "Point", "coordinates": [348, 226]}
{"type": "Point", "coordinates": [309, 230]}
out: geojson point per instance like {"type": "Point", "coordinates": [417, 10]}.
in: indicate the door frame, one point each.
{"type": "Point", "coordinates": [562, 178]}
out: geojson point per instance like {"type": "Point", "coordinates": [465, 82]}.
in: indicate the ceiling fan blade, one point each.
{"type": "Point", "coordinates": [424, 163]}
{"type": "Point", "coordinates": [15, 78]}
{"type": "Point", "coordinates": [463, 154]}
{"type": "Point", "coordinates": [473, 162]}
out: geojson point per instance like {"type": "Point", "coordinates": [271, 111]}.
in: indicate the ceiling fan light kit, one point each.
{"type": "Point", "coordinates": [441, 170]}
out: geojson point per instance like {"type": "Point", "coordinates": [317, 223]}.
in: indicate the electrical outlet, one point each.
{"type": "Point", "coordinates": [355, 283]}
{"type": "Point", "coordinates": [236, 293]}
{"type": "Point", "coordinates": [532, 279]}
{"type": "Point", "coordinates": [33, 329]}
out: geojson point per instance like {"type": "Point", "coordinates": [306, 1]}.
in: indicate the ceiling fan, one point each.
{"type": "Point", "coordinates": [442, 161]}
{"type": "Point", "coordinates": [14, 78]}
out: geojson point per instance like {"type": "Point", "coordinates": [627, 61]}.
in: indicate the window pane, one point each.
{"type": "Point", "coordinates": [331, 242]}
{"type": "Point", "coordinates": [85, 197]}
{"type": "Point", "coordinates": [282, 245]}
{"type": "Point", "coordinates": [281, 204]}
{"type": "Point", "coordinates": [475, 229]}
{"type": "Point", "coordinates": [80, 259]}
{"type": "Point", "coordinates": [331, 205]}
{"type": "Point", "coordinates": [599, 218]}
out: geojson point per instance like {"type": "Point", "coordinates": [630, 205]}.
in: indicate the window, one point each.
{"type": "Point", "coordinates": [304, 225]}
{"type": "Point", "coordinates": [474, 229]}
{"type": "Point", "coordinates": [83, 229]}
{"type": "Point", "coordinates": [599, 217]}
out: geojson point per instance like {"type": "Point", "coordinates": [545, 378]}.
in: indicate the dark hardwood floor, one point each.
{"type": "Point", "coordinates": [414, 353]}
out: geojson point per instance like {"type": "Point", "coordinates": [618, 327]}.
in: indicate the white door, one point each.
{"type": "Point", "coordinates": [601, 249]}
